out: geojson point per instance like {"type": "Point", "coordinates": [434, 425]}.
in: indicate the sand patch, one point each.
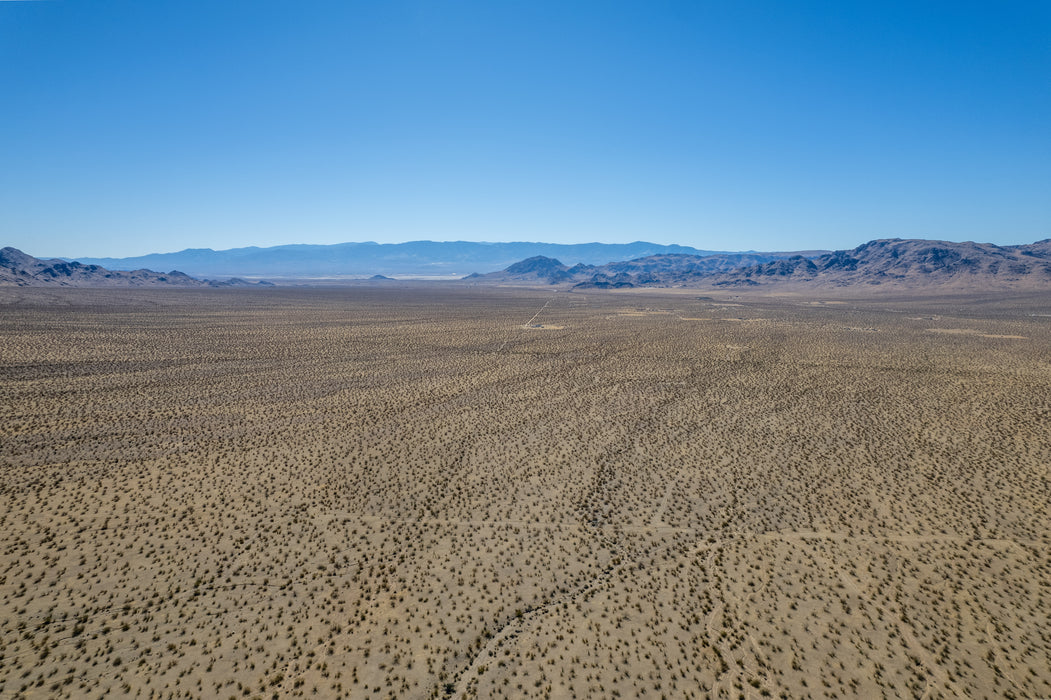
{"type": "Point", "coordinates": [973, 331]}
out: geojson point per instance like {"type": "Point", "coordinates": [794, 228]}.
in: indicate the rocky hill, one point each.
{"type": "Point", "coordinates": [653, 270]}
{"type": "Point", "coordinates": [17, 269]}
{"type": "Point", "coordinates": [907, 264]}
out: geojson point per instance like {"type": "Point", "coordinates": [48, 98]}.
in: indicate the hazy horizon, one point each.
{"type": "Point", "coordinates": [484, 242]}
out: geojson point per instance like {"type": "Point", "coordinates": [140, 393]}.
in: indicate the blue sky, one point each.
{"type": "Point", "coordinates": [131, 127]}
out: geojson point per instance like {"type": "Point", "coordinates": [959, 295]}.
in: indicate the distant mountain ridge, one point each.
{"type": "Point", "coordinates": [892, 263]}
{"type": "Point", "coordinates": [652, 270]}
{"type": "Point", "coordinates": [18, 269]}
{"type": "Point", "coordinates": [422, 258]}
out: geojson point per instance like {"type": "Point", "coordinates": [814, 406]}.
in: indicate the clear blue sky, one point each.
{"type": "Point", "coordinates": [139, 126]}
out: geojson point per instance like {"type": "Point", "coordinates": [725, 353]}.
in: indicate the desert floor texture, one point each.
{"type": "Point", "coordinates": [428, 492]}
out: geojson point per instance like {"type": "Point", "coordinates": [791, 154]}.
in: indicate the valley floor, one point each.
{"type": "Point", "coordinates": [441, 491]}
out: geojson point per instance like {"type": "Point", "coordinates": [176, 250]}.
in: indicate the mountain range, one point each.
{"type": "Point", "coordinates": [890, 263]}
{"type": "Point", "coordinates": [908, 264]}
{"type": "Point", "coordinates": [893, 263]}
{"type": "Point", "coordinates": [17, 269]}
{"type": "Point", "coordinates": [417, 258]}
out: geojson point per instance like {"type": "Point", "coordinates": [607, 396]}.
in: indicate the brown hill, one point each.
{"type": "Point", "coordinates": [17, 269]}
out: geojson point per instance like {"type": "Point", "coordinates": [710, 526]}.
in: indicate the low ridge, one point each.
{"type": "Point", "coordinates": [18, 269]}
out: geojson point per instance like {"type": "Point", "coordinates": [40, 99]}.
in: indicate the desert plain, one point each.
{"type": "Point", "coordinates": [424, 491]}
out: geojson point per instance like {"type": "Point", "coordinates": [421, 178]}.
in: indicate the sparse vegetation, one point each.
{"type": "Point", "coordinates": [448, 492]}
